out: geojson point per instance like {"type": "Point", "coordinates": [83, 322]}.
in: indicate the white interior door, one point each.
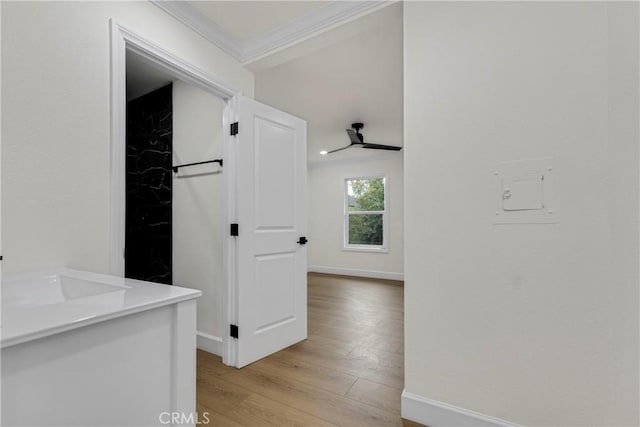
{"type": "Point", "coordinates": [271, 162]}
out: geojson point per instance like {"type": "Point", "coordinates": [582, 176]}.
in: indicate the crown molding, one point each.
{"type": "Point", "coordinates": [198, 22]}
{"type": "Point", "coordinates": [308, 25]}
{"type": "Point", "coordinates": [302, 28]}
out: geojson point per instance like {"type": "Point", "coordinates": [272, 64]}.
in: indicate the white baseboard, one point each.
{"type": "Point", "coordinates": [209, 343]}
{"type": "Point", "coordinates": [433, 413]}
{"type": "Point", "coordinates": [355, 272]}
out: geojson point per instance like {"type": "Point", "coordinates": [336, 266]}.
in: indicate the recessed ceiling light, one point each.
{"type": "Point", "coordinates": [323, 153]}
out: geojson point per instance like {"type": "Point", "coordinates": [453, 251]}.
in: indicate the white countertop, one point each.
{"type": "Point", "coordinates": [39, 304]}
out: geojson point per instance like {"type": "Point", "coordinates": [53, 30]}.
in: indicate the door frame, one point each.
{"type": "Point", "coordinates": [123, 40]}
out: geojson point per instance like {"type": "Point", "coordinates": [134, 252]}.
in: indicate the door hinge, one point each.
{"type": "Point", "coordinates": [234, 229]}
{"type": "Point", "coordinates": [233, 331]}
{"type": "Point", "coordinates": [234, 128]}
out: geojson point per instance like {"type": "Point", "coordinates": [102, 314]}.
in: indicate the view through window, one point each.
{"type": "Point", "coordinates": [365, 212]}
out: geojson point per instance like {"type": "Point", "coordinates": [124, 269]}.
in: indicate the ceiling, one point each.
{"type": "Point", "coordinates": [245, 20]}
{"type": "Point", "coordinates": [332, 63]}
{"type": "Point", "coordinates": [352, 77]}
{"type": "Point", "coordinates": [143, 76]}
{"type": "Point", "coordinates": [252, 30]}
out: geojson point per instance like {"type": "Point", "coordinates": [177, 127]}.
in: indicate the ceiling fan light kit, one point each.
{"type": "Point", "coordinates": [356, 138]}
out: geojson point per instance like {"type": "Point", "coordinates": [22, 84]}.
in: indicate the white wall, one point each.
{"type": "Point", "coordinates": [198, 201]}
{"type": "Point", "coordinates": [534, 324]}
{"type": "Point", "coordinates": [326, 218]}
{"type": "Point", "coordinates": [56, 115]}
{"type": "Point", "coordinates": [0, 152]}
{"type": "Point", "coordinates": [623, 156]}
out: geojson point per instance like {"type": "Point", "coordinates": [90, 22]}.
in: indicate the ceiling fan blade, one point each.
{"type": "Point", "coordinates": [339, 149]}
{"type": "Point", "coordinates": [382, 147]}
{"type": "Point", "coordinates": [353, 136]}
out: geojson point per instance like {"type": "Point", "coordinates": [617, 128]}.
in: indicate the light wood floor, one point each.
{"type": "Point", "coordinates": [349, 372]}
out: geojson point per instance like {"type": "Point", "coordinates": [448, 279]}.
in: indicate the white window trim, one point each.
{"type": "Point", "coordinates": [384, 248]}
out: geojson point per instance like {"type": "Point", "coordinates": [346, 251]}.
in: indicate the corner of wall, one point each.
{"type": "Point", "coordinates": [209, 343]}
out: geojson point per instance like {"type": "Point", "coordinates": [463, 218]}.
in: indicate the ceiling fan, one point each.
{"type": "Point", "coordinates": [357, 138]}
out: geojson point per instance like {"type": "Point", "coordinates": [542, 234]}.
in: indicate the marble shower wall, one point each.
{"type": "Point", "coordinates": [148, 242]}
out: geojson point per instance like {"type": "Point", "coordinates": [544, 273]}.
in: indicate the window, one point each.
{"type": "Point", "coordinates": [365, 214]}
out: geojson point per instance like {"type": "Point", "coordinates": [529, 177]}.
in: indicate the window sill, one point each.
{"type": "Point", "coordinates": [380, 250]}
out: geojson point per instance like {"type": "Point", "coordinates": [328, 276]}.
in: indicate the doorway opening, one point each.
{"type": "Point", "coordinates": [262, 195]}
{"type": "Point", "coordinates": [143, 67]}
{"type": "Point", "coordinates": [174, 190]}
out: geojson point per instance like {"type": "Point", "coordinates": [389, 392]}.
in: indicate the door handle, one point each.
{"type": "Point", "coordinates": [303, 240]}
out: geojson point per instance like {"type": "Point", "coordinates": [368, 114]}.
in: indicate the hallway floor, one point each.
{"type": "Point", "coordinates": [349, 372]}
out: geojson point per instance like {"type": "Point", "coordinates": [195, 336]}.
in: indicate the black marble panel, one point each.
{"type": "Point", "coordinates": [148, 242]}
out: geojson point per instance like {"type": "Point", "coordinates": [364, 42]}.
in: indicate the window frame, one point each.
{"type": "Point", "coordinates": [346, 246]}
